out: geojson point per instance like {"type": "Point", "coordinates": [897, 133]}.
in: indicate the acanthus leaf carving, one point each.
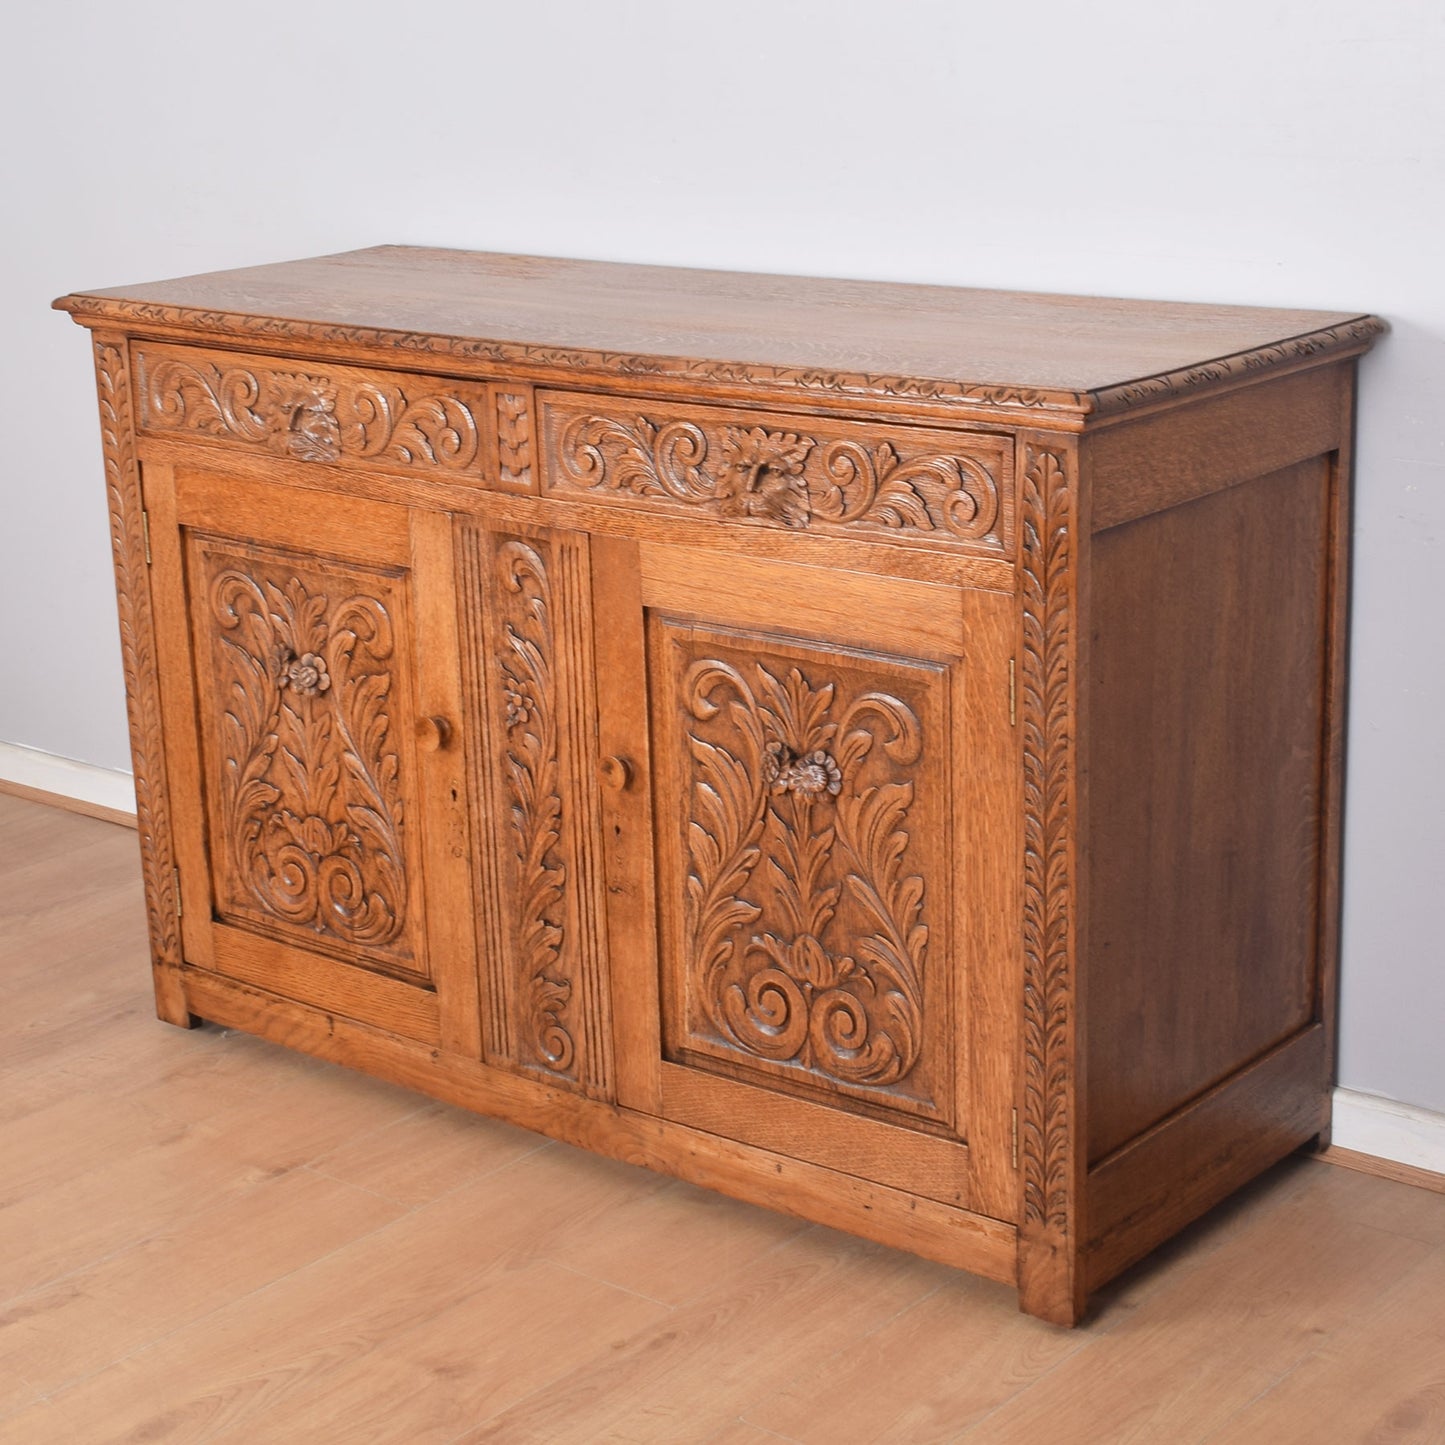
{"type": "Point", "coordinates": [346, 415]}
{"type": "Point", "coordinates": [787, 791]}
{"type": "Point", "coordinates": [530, 767]}
{"type": "Point", "coordinates": [514, 440]}
{"type": "Point", "coordinates": [1046, 1144]}
{"type": "Point", "coordinates": [793, 478]}
{"type": "Point", "coordinates": [310, 795]}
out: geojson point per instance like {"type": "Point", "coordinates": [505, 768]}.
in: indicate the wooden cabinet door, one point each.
{"type": "Point", "coordinates": [815, 768]}
{"type": "Point", "coordinates": [310, 683]}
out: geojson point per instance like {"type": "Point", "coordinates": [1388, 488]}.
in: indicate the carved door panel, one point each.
{"type": "Point", "coordinates": [824, 752]}
{"type": "Point", "coordinates": [311, 675]}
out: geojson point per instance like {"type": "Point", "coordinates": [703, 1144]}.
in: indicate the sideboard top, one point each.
{"type": "Point", "coordinates": [1001, 347]}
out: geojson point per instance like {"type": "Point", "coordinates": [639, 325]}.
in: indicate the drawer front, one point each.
{"type": "Point", "coordinates": [923, 485]}
{"type": "Point", "coordinates": [316, 412]}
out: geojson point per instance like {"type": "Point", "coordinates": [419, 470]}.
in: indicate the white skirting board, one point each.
{"type": "Point", "coordinates": [31, 768]}
{"type": "Point", "coordinates": [1364, 1123]}
{"type": "Point", "coordinates": [1369, 1124]}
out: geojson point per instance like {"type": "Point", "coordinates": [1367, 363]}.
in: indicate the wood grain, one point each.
{"type": "Point", "coordinates": [1013, 349]}
{"type": "Point", "coordinates": [1220, 675]}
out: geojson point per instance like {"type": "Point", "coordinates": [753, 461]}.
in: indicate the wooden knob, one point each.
{"type": "Point", "coordinates": [615, 773]}
{"type": "Point", "coordinates": [433, 733]}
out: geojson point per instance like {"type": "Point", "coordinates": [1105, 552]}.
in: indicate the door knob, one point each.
{"type": "Point", "coordinates": [433, 733]}
{"type": "Point", "coordinates": [615, 773]}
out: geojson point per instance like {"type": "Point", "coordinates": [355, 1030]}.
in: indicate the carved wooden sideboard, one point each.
{"type": "Point", "coordinates": [872, 750]}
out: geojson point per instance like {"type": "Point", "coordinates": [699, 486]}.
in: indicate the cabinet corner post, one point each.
{"type": "Point", "coordinates": [130, 555]}
{"type": "Point", "coordinates": [1052, 1156]}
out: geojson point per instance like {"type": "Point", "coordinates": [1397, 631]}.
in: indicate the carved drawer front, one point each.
{"type": "Point", "coordinates": [529, 674]}
{"type": "Point", "coordinates": [316, 411]}
{"type": "Point", "coordinates": [914, 484]}
{"type": "Point", "coordinates": [806, 888]}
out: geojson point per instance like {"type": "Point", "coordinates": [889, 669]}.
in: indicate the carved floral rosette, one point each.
{"type": "Point", "coordinates": [309, 767]}
{"type": "Point", "coordinates": [805, 936]}
{"type": "Point", "coordinates": [799, 473]}
{"type": "Point", "coordinates": [310, 414]}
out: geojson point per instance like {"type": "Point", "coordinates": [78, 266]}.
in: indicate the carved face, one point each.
{"type": "Point", "coordinates": [762, 475]}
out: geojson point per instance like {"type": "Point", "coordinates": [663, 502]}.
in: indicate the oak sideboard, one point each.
{"type": "Point", "coordinates": [873, 750]}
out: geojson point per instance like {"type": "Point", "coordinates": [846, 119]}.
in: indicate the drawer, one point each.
{"type": "Point", "coordinates": [315, 412]}
{"type": "Point", "coordinates": [924, 485]}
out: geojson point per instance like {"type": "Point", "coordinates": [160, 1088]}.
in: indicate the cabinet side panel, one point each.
{"type": "Point", "coordinates": [1205, 763]}
{"type": "Point", "coordinates": [142, 685]}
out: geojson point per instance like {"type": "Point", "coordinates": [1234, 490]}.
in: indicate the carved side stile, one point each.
{"type": "Point", "coordinates": [138, 658]}
{"type": "Point", "coordinates": [1047, 1146]}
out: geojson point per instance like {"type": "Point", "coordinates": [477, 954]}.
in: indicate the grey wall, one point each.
{"type": "Point", "coordinates": [1284, 152]}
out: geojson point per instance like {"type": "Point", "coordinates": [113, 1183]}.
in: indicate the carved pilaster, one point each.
{"type": "Point", "coordinates": [142, 684]}
{"type": "Point", "coordinates": [1050, 1282]}
{"type": "Point", "coordinates": [530, 678]}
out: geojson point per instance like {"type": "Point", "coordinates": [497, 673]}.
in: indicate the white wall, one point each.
{"type": "Point", "coordinates": [1285, 152]}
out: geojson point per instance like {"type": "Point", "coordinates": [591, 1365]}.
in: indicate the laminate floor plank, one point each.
{"type": "Point", "coordinates": [515, 1334]}
{"type": "Point", "coordinates": [417, 1159]}
{"type": "Point", "coordinates": [739, 1432]}
{"type": "Point", "coordinates": [1196, 1351]}
{"type": "Point", "coordinates": [700, 1368]}
{"type": "Point", "coordinates": [679, 1243]}
{"type": "Point", "coordinates": [299, 1336]}
{"type": "Point", "coordinates": [59, 1334]}
{"type": "Point", "coordinates": [1380, 1379]}
{"type": "Point", "coordinates": [205, 1237]}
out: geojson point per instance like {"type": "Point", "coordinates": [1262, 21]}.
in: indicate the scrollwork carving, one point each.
{"type": "Point", "coordinates": [792, 478]}
{"type": "Point", "coordinates": [783, 809]}
{"type": "Point", "coordinates": [1046, 1144]}
{"type": "Point", "coordinates": [530, 771]}
{"type": "Point", "coordinates": [310, 793]}
{"type": "Point", "coordinates": [343, 416]}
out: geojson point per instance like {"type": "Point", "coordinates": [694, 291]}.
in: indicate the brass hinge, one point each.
{"type": "Point", "coordinates": [1013, 696]}
{"type": "Point", "coordinates": [176, 876]}
{"type": "Point", "coordinates": [145, 531]}
{"type": "Point", "coordinates": [1016, 1138]}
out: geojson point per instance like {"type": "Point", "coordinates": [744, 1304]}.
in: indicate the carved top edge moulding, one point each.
{"type": "Point", "coordinates": [1016, 353]}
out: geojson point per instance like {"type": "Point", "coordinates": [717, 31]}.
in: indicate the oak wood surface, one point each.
{"type": "Point", "coordinates": [1063, 345]}
{"type": "Point", "coordinates": [1205, 761]}
{"type": "Point", "coordinates": [1136, 467]}
{"type": "Point", "coordinates": [290, 1250]}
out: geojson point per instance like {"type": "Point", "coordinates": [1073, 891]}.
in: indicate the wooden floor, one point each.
{"type": "Point", "coordinates": [206, 1238]}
